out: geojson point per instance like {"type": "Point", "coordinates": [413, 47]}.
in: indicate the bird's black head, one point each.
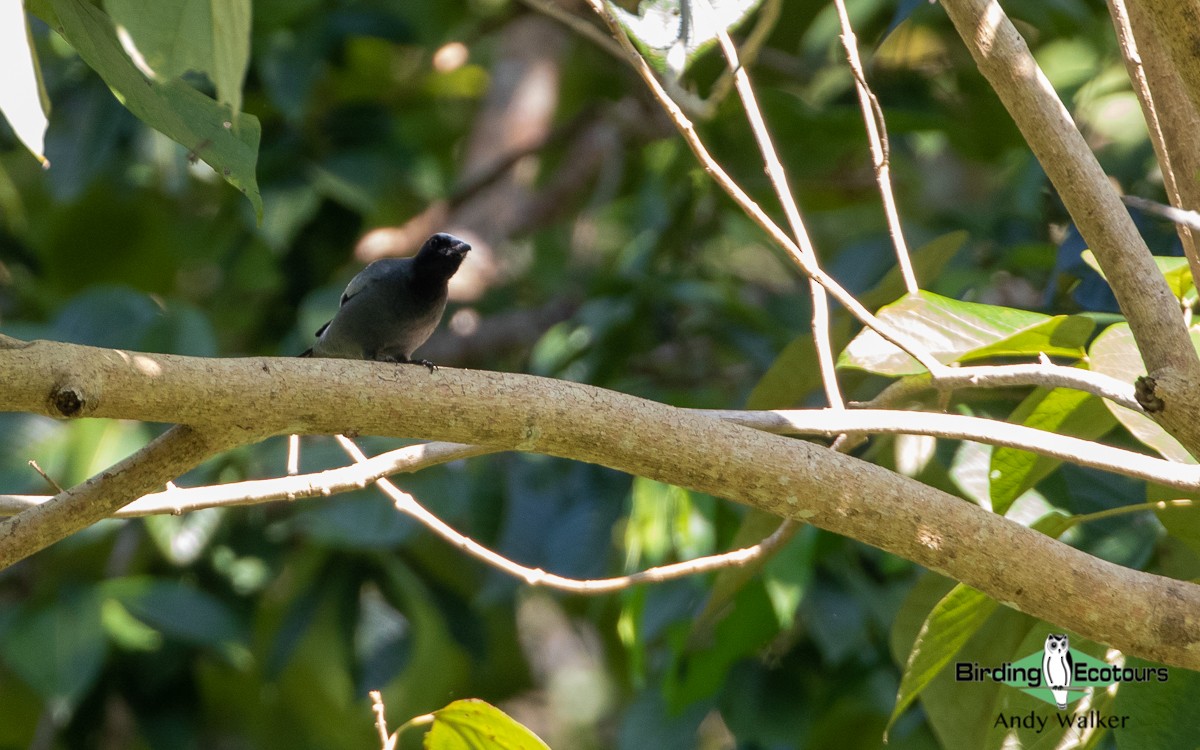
{"type": "Point", "coordinates": [441, 255]}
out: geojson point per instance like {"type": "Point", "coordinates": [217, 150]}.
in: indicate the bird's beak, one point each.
{"type": "Point", "coordinates": [459, 248]}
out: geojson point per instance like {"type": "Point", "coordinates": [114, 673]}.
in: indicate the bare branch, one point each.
{"type": "Point", "coordinates": [832, 422]}
{"type": "Point", "coordinates": [49, 479]}
{"type": "Point", "coordinates": [1154, 317]}
{"type": "Point", "coordinates": [779, 181]}
{"type": "Point", "coordinates": [877, 142]}
{"type": "Point", "coordinates": [999, 376]}
{"type": "Point", "coordinates": [176, 451]}
{"type": "Point", "coordinates": [1137, 612]}
{"type": "Point", "coordinates": [1187, 219]}
{"type": "Point", "coordinates": [1141, 86]}
{"type": "Point", "coordinates": [752, 209]}
{"type": "Point", "coordinates": [408, 505]}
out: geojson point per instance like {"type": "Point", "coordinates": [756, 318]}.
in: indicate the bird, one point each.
{"type": "Point", "coordinates": [392, 306]}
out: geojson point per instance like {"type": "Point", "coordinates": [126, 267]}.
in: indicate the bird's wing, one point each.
{"type": "Point", "coordinates": [372, 273]}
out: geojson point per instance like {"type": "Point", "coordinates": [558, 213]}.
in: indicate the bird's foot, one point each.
{"type": "Point", "coordinates": [432, 367]}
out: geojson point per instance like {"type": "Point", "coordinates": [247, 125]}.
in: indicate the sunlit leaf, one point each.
{"type": "Point", "coordinates": [956, 331]}
{"type": "Point", "coordinates": [23, 99]}
{"type": "Point", "coordinates": [952, 622]}
{"type": "Point", "coordinates": [472, 724]}
{"type": "Point", "coordinates": [1174, 269]}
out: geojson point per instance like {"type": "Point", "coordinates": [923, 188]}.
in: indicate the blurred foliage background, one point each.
{"type": "Point", "coordinates": [604, 254]}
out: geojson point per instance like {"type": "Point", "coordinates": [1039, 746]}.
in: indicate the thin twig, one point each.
{"type": "Point", "coordinates": [1159, 505]}
{"type": "Point", "coordinates": [831, 422]}
{"type": "Point", "coordinates": [768, 16]}
{"type": "Point", "coordinates": [578, 25]}
{"type": "Point", "coordinates": [49, 480]}
{"type": "Point", "coordinates": [385, 742]}
{"type": "Point", "coordinates": [1186, 219]}
{"type": "Point", "coordinates": [293, 459]}
{"type": "Point", "coordinates": [877, 141]}
{"type": "Point", "coordinates": [407, 504]}
{"type": "Point", "coordinates": [753, 210]}
{"type": "Point", "coordinates": [998, 376]}
{"type": "Point", "coordinates": [176, 501]}
{"type": "Point", "coordinates": [779, 181]}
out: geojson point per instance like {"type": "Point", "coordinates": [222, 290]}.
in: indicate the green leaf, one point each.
{"type": "Point", "coordinates": [1061, 410]}
{"type": "Point", "coordinates": [928, 260]}
{"type": "Point", "coordinates": [58, 650]}
{"type": "Point", "coordinates": [229, 144]}
{"type": "Point", "coordinates": [1181, 521]}
{"type": "Point", "coordinates": [23, 99]}
{"type": "Point", "coordinates": [472, 724]}
{"type": "Point", "coordinates": [1175, 269]}
{"type": "Point", "coordinates": [953, 621]}
{"type": "Point", "coordinates": [1159, 708]}
{"type": "Point", "coordinates": [702, 667]}
{"type": "Point", "coordinates": [956, 331]}
{"type": "Point", "coordinates": [204, 36]}
{"type": "Point", "coordinates": [178, 611]}
{"type": "Point", "coordinates": [788, 574]}
{"type": "Point", "coordinates": [677, 31]}
{"type": "Point", "coordinates": [756, 526]}
{"type": "Point", "coordinates": [942, 699]}
{"type": "Point", "coordinates": [950, 624]}
{"type": "Point", "coordinates": [795, 373]}
{"type": "Point", "coordinates": [1115, 353]}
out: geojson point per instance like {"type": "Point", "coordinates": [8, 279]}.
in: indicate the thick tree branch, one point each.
{"type": "Point", "coordinates": [1169, 115]}
{"type": "Point", "coordinates": [1006, 62]}
{"type": "Point", "coordinates": [1139, 613]}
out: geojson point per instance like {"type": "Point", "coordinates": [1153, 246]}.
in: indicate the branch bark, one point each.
{"type": "Point", "coordinates": [1154, 316]}
{"type": "Point", "coordinates": [1139, 613]}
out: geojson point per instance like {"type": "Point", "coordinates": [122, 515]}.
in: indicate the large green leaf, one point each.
{"type": "Point", "coordinates": [205, 36]}
{"type": "Point", "coordinates": [1060, 410]}
{"type": "Point", "coordinates": [472, 724]}
{"type": "Point", "coordinates": [954, 619]}
{"type": "Point", "coordinates": [795, 372]}
{"type": "Point", "coordinates": [228, 143]}
{"type": "Point", "coordinates": [951, 623]}
{"type": "Point", "coordinates": [1115, 353]}
{"type": "Point", "coordinates": [955, 331]}
{"type": "Point", "coordinates": [1161, 709]}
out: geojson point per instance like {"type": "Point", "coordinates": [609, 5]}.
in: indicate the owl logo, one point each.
{"type": "Point", "coordinates": [1057, 667]}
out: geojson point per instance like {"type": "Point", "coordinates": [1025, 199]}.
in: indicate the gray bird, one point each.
{"type": "Point", "coordinates": [390, 308]}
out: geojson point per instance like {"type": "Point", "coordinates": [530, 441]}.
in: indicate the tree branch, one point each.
{"type": "Point", "coordinates": [173, 453]}
{"type": "Point", "coordinates": [1139, 613]}
{"type": "Point", "coordinates": [1006, 62]}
